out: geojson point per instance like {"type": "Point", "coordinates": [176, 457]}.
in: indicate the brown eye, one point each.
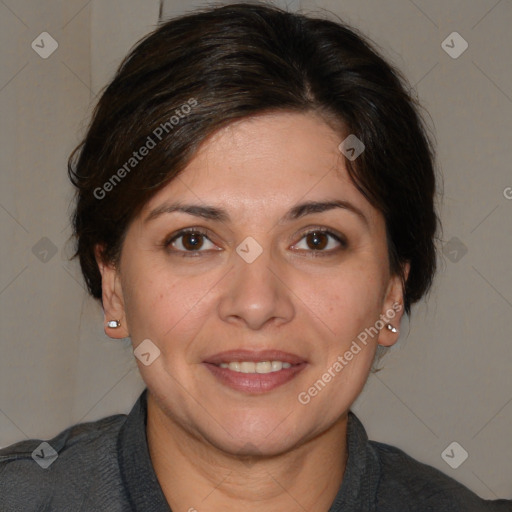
{"type": "Point", "coordinates": [192, 241]}
{"type": "Point", "coordinates": [189, 241]}
{"type": "Point", "coordinates": [322, 242]}
{"type": "Point", "coordinates": [317, 240]}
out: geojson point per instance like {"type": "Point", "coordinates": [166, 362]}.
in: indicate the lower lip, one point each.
{"type": "Point", "coordinates": [255, 382]}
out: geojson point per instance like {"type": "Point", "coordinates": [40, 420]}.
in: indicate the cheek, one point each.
{"type": "Point", "coordinates": [162, 306]}
{"type": "Point", "coordinates": [346, 301]}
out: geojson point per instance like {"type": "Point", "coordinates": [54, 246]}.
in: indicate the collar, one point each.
{"type": "Point", "coordinates": [357, 491]}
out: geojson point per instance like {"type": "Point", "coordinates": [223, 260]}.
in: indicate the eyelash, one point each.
{"type": "Point", "coordinates": [199, 231]}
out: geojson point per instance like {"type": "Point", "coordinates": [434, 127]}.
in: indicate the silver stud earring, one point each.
{"type": "Point", "coordinates": [391, 328]}
{"type": "Point", "coordinates": [114, 324]}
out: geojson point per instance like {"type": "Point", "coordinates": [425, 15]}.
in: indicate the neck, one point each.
{"type": "Point", "coordinates": [196, 476]}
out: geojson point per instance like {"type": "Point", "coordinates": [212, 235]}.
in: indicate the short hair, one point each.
{"type": "Point", "coordinates": [197, 73]}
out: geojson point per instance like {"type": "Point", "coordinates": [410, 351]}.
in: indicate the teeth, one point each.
{"type": "Point", "coordinates": [252, 367]}
{"type": "Point", "coordinates": [264, 367]}
{"type": "Point", "coordinates": [276, 366]}
{"type": "Point", "coordinates": [247, 367]}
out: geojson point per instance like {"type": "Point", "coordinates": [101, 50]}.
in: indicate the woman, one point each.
{"type": "Point", "coordinates": [255, 210]}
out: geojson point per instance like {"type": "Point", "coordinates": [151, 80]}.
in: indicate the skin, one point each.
{"type": "Point", "coordinates": [196, 305]}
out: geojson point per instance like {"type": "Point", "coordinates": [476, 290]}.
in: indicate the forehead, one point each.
{"type": "Point", "coordinates": [282, 147]}
{"type": "Point", "coordinates": [266, 163]}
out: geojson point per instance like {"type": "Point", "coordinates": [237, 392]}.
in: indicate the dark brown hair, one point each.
{"type": "Point", "coordinates": [197, 73]}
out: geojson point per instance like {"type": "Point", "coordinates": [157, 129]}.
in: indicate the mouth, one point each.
{"type": "Point", "coordinates": [255, 372]}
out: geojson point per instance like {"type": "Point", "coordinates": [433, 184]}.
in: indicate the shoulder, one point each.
{"type": "Point", "coordinates": [77, 467]}
{"type": "Point", "coordinates": [420, 487]}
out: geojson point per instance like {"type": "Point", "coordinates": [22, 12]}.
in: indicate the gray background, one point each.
{"type": "Point", "coordinates": [448, 379]}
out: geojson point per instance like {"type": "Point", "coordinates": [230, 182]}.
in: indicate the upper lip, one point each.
{"type": "Point", "coordinates": [255, 356]}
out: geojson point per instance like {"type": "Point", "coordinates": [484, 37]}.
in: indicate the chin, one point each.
{"type": "Point", "coordinates": [249, 446]}
{"type": "Point", "coordinates": [267, 435]}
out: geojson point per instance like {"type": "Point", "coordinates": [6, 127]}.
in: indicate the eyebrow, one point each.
{"type": "Point", "coordinates": [218, 214]}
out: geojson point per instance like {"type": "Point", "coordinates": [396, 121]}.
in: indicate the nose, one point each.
{"type": "Point", "coordinates": [256, 293]}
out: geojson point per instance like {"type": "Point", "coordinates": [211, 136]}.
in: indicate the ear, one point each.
{"type": "Point", "coordinates": [393, 309]}
{"type": "Point", "coordinates": [112, 296]}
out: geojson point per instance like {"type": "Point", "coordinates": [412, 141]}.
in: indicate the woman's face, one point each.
{"type": "Point", "coordinates": [250, 279]}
